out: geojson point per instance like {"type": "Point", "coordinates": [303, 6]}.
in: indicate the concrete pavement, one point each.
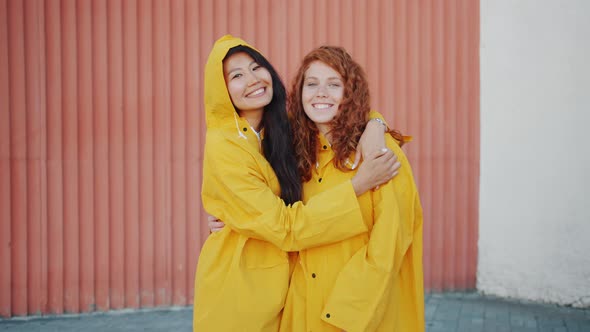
{"type": "Point", "coordinates": [469, 312]}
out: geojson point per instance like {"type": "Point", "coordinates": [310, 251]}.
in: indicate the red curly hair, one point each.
{"type": "Point", "coordinates": [346, 127]}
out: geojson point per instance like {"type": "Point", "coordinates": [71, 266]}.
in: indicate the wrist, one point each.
{"type": "Point", "coordinates": [381, 122]}
{"type": "Point", "coordinates": [357, 186]}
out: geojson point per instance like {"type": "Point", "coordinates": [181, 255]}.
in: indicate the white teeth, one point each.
{"type": "Point", "coordinates": [322, 106]}
{"type": "Point", "coordinates": [256, 93]}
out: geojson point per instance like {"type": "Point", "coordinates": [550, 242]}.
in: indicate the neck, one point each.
{"type": "Point", "coordinates": [325, 130]}
{"type": "Point", "coordinates": [254, 118]}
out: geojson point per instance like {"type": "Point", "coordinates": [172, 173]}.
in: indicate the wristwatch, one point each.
{"type": "Point", "coordinates": [380, 121]}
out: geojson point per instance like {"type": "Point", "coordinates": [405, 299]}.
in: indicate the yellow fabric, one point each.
{"type": "Point", "coordinates": [369, 282]}
{"type": "Point", "coordinates": [243, 271]}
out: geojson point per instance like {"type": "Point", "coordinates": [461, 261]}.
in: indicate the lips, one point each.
{"type": "Point", "coordinates": [256, 93]}
{"type": "Point", "coordinates": [321, 106]}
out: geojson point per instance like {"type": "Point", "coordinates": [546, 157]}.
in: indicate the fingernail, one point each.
{"type": "Point", "coordinates": [384, 149]}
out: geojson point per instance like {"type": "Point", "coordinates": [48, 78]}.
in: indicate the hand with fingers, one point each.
{"type": "Point", "coordinates": [379, 167]}
{"type": "Point", "coordinates": [215, 225]}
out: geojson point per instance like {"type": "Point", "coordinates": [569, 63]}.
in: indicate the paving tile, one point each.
{"type": "Point", "coordinates": [523, 329]}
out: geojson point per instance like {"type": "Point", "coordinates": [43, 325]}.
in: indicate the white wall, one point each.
{"type": "Point", "coordinates": [534, 236]}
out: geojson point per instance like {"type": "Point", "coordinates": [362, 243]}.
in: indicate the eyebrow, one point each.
{"type": "Point", "coordinates": [329, 78]}
{"type": "Point", "coordinates": [239, 68]}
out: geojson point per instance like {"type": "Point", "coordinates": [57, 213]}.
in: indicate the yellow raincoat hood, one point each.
{"type": "Point", "coordinates": [220, 111]}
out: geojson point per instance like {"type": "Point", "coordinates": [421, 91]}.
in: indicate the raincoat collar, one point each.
{"type": "Point", "coordinates": [326, 154]}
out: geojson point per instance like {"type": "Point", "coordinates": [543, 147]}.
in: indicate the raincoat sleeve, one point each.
{"type": "Point", "coordinates": [362, 290]}
{"type": "Point", "coordinates": [238, 194]}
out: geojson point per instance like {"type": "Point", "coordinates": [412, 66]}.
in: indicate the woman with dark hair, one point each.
{"type": "Point", "coordinates": [372, 281]}
{"type": "Point", "coordinates": [251, 182]}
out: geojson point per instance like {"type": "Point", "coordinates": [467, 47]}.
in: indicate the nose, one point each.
{"type": "Point", "coordinates": [253, 79]}
{"type": "Point", "coordinates": [322, 91]}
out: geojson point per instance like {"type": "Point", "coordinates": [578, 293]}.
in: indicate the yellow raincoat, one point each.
{"type": "Point", "coordinates": [243, 271]}
{"type": "Point", "coordinates": [370, 282]}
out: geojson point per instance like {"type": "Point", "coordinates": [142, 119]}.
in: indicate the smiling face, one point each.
{"type": "Point", "coordinates": [321, 94]}
{"type": "Point", "coordinates": [249, 84]}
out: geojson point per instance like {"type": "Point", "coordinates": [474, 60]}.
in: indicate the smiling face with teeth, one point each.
{"type": "Point", "coordinates": [248, 83]}
{"type": "Point", "coordinates": [321, 94]}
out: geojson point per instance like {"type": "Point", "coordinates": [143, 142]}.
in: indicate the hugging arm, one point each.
{"type": "Point", "coordinates": [241, 197]}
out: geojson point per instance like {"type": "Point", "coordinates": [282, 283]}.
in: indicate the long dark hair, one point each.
{"type": "Point", "coordinates": [277, 145]}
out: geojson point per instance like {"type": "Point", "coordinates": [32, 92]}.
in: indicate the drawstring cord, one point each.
{"type": "Point", "coordinates": [241, 134]}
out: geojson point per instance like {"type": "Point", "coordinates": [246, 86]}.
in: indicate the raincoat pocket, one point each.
{"type": "Point", "coordinates": [263, 283]}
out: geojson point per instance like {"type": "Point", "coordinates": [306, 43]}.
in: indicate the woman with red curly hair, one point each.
{"type": "Point", "coordinates": [372, 281]}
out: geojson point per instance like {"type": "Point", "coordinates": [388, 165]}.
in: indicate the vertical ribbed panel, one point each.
{"type": "Point", "coordinates": [86, 154]}
{"type": "Point", "coordinates": [102, 131]}
{"type": "Point", "coordinates": [131, 154]}
{"type": "Point", "coordinates": [5, 175]}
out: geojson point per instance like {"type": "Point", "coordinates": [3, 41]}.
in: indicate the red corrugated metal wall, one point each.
{"type": "Point", "coordinates": [101, 133]}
